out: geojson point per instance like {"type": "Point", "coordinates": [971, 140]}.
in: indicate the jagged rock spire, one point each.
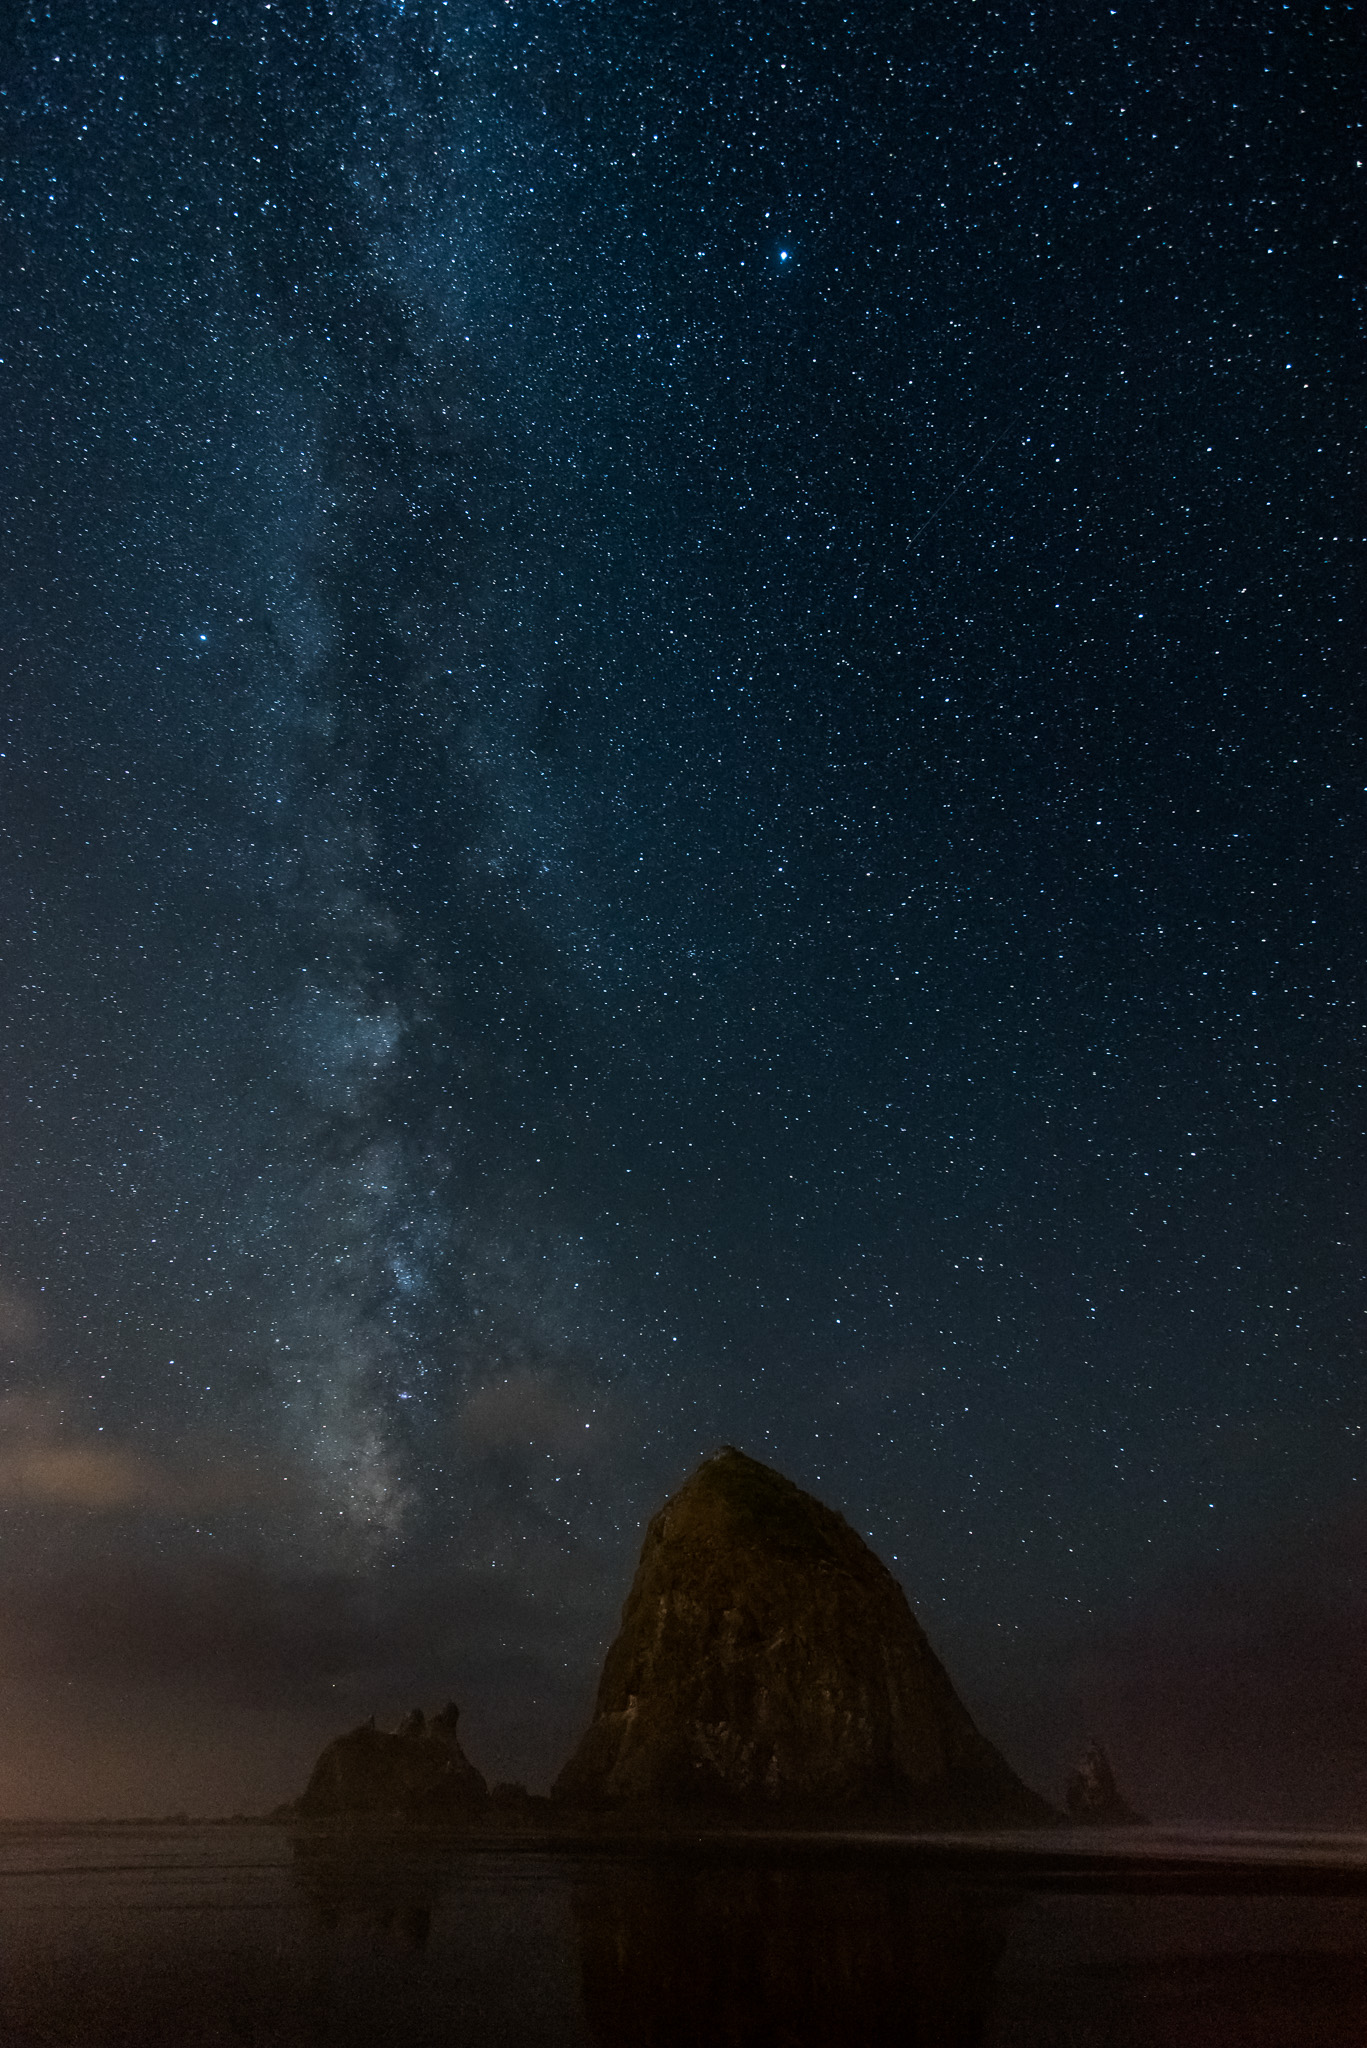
{"type": "Point", "coordinates": [1092, 1794]}
{"type": "Point", "coordinates": [420, 1772]}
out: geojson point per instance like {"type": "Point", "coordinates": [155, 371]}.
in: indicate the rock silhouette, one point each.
{"type": "Point", "coordinates": [419, 1772]}
{"type": "Point", "coordinates": [769, 1664]}
{"type": "Point", "coordinates": [1092, 1794]}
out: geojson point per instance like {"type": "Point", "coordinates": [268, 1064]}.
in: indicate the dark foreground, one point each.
{"type": "Point", "coordinates": [133, 1936]}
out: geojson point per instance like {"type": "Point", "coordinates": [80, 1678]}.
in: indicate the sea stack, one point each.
{"type": "Point", "coordinates": [768, 1665]}
{"type": "Point", "coordinates": [1093, 1796]}
{"type": "Point", "coordinates": [417, 1772]}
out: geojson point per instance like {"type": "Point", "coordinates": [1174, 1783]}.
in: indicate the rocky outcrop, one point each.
{"type": "Point", "coordinates": [768, 1664]}
{"type": "Point", "coordinates": [1093, 1797]}
{"type": "Point", "coordinates": [419, 1772]}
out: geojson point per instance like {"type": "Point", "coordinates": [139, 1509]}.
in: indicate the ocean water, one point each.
{"type": "Point", "coordinates": [189, 1935]}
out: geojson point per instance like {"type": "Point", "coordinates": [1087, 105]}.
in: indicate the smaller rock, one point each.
{"type": "Point", "coordinates": [1093, 1797]}
{"type": "Point", "coordinates": [419, 1773]}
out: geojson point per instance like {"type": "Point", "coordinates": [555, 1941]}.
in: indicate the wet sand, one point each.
{"type": "Point", "coordinates": [135, 1936]}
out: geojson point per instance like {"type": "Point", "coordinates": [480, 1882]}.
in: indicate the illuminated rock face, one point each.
{"type": "Point", "coordinates": [420, 1772]}
{"type": "Point", "coordinates": [769, 1663]}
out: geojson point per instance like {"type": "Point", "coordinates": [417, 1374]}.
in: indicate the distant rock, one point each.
{"type": "Point", "coordinates": [768, 1664]}
{"type": "Point", "coordinates": [1093, 1797]}
{"type": "Point", "coordinates": [419, 1772]}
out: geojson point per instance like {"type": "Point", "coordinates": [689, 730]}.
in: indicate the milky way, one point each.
{"type": "Point", "coordinates": [682, 762]}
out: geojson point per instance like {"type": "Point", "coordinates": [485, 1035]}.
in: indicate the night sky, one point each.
{"type": "Point", "coordinates": [681, 762]}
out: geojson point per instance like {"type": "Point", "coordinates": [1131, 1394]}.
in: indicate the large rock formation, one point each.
{"type": "Point", "coordinates": [768, 1663]}
{"type": "Point", "coordinates": [418, 1772]}
{"type": "Point", "coordinates": [1093, 1796]}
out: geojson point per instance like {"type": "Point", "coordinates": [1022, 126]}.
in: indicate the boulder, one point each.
{"type": "Point", "coordinates": [418, 1772]}
{"type": "Point", "coordinates": [768, 1665]}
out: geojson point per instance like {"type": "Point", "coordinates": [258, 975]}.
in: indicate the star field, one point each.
{"type": "Point", "coordinates": [682, 762]}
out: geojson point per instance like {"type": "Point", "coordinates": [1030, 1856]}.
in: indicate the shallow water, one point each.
{"type": "Point", "coordinates": [134, 1936]}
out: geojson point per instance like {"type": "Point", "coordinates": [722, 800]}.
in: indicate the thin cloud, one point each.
{"type": "Point", "coordinates": [21, 1322]}
{"type": "Point", "coordinates": [46, 1464]}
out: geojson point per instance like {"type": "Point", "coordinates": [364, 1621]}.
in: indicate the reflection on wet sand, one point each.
{"type": "Point", "coordinates": [746, 1957]}
{"type": "Point", "coordinates": [156, 1938]}
{"type": "Point", "coordinates": [730, 1956]}
{"type": "Point", "coordinates": [378, 1888]}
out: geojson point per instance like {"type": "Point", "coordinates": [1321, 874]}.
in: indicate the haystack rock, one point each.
{"type": "Point", "coordinates": [1093, 1796]}
{"type": "Point", "coordinates": [417, 1772]}
{"type": "Point", "coordinates": [768, 1664]}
